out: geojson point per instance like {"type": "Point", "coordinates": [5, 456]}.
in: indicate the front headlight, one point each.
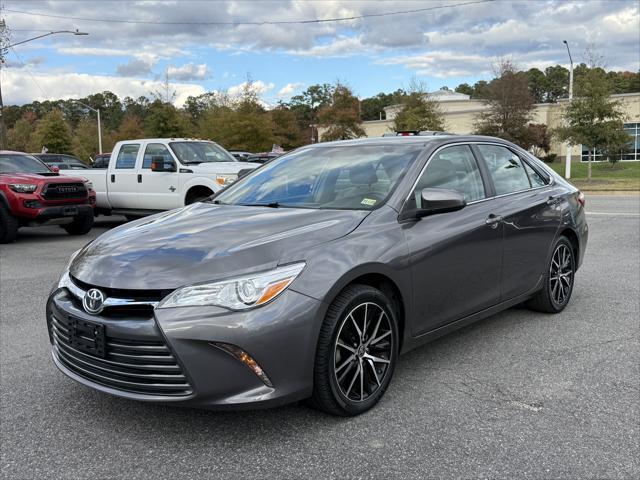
{"type": "Point", "coordinates": [23, 187]}
{"type": "Point", "coordinates": [225, 180]}
{"type": "Point", "coordinates": [65, 281]}
{"type": "Point", "coordinates": [239, 293]}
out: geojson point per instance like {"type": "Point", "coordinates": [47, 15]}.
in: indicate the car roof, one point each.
{"type": "Point", "coordinates": [413, 139]}
{"type": "Point", "coordinates": [14, 152]}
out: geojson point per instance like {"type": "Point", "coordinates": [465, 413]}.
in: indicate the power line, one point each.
{"type": "Point", "coordinates": [233, 24]}
{"type": "Point", "coordinates": [26, 67]}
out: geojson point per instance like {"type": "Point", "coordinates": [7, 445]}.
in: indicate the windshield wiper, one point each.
{"type": "Point", "coordinates": [268, 205]}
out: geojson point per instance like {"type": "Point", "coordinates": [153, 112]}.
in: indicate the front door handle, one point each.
{"type": "Point", "coordinates": [113, 178]}
{"type": "Point", "coordinates": [493, 220]}
{"type": "Point", "coordinates": [139, 178]}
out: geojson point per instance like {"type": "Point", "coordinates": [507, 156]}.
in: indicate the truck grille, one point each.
{"type": "Point", "coordinates": [61, 191]}
{"type": "Point", "coordinates": [136, 366]}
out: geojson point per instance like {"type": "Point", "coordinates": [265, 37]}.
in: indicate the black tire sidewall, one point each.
{"type": "Point", "coordinates": [8, 225]}
{"type": "Point", "coordinates": [81, 225]}
{"type": "Point", "coordinates": [374, 296]}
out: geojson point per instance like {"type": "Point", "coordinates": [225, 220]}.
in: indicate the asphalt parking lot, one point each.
{"type": "Point", "coordinates": [519, 395]}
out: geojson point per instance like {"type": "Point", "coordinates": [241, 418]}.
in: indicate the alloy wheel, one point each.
{"type": "Point", "coordinates": [561, 274]}
{"type": "Point", "coordinates": [363, 351]}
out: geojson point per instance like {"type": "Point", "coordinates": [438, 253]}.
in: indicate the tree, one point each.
{"type": "Point", "coordinates": [307, 105]}
{"type": "Point", "coordinates": [165, 120]}
{"type": "Point", "coordinates": [85, 139]}
{"type": "Point", "coordinates": [53, 133]}
{"type": "Point", "coordinates": [419, 111]}
{"type": "Point", "coordinates": [539, 139]}
{"type": "Point", "coordinates": [593, 119]}
{"type": "Point", "coordinates": [465, 88]}
{"type": "Point", "coordinates": [20, 136]}
{"type": "Point", "coordinates": [341, 118]}
{"type": "Point", "coordinates": [537, 84]}
{"type": "Point", "coordinates": [286, 131]}
{"type": "Point", "coordinates": [371, 108]}
{"type": "Point", "coordinates": [557, 83]}
{"type": "Point", "coordinates": [510, 105]}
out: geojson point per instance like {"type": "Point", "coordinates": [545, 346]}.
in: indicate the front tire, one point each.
{"type": "Point", "coordinates": [559, 280]}
{"type": "Point", "coordinates": [81, 225]}
{"type": "Point", "coordinates": [8, 226]}
{"type": "Point", "coordinates": [357, 352]}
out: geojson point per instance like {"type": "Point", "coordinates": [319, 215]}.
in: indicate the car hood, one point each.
{"type": "Point", "coordinates": [37, 178]}
{"type": "Point", "coordinates": [204, 242]}
{"type": "Point", "coordinates": [221, 167]}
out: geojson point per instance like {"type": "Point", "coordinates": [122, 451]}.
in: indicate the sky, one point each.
{"type": "Point", "coordinates": [218, 45]}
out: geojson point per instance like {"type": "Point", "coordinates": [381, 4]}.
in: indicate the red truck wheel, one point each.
{"type": "Point", "coordinates": [8, 226]}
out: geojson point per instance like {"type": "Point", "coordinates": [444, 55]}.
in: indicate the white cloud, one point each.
{"type": "Point", "coordinates": [16, 89]}
{"type": "Point", "coordinates": [136, 67]}
{"type": "Point", "coordinates": [258, 87]}
{"type": "Point", "coordinates": [189, 71]}
{"type": "Point", "coordinates": [289, 88]}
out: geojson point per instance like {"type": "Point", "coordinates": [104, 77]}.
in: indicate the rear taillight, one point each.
{"type": "Point", "coordinates": [581, 199]}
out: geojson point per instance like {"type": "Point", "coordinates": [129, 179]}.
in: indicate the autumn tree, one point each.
{"type": "Point", "coordinates": [341, 118]}
{"type": "Point", "coordinates": [164, 120]}
{"type": "Point", "coordinates": [419, 111]}
{"type": "Point", "coordinates": [594, 120]}
{"type": "Point", "coordinates": [510, 106]}
{"type": "Point", "coordinates": [20, 136]}
{"type": "Point", "coordinates": [53, 133]}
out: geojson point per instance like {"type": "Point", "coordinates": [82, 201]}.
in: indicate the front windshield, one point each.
{"type": "Point", "coordinates": [16, 163]}
{"type": "Point", "coordinates": [341, 177]}
{"type": "Point", "coordinates": [200, 152]}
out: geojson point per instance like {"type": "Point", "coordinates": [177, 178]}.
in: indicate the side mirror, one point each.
{"type": "Point", "coordinates": [158, 164]}
{"type": "Point", "coordinates": [436, 200]}
{"type": "Point", "coordinates": [55, 169]}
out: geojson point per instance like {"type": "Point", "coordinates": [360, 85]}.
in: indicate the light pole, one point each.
{"type": "Point", "coordinates": [97, 111]}
{"type": "Point", "coordinates": [3, 50]}
{"type": "Point", "coordinates": [567, 170]}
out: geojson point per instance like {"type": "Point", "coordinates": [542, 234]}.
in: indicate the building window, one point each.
{"type": "Point", "coordinates": [632, 153]}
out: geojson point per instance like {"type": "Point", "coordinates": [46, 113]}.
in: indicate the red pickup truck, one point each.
{"type": "Point", "coordinates": [32, 194]}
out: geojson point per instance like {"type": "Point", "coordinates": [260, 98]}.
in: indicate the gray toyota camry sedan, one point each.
{"type": "Point", "coordinates": [308, 277]}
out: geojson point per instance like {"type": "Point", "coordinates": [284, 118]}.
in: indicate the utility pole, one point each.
{"type": "Point", "coordinates": [567, 169]}
{"type": "Point", "coordinates": [4, 41]}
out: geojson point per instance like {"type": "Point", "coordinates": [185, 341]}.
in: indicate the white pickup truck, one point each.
{"type": "Point", "coordinates": [146, 176]}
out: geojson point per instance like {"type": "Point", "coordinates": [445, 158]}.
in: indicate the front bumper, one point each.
{"type": "Point", "coordinates": [281, 337]}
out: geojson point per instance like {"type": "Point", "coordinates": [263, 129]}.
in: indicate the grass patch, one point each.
{"type": "Point", "coordinates": [604, 175]}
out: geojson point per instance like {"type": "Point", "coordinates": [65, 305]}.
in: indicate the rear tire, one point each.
{"type": "Point", "coordinates": [8, 226]}
{"type": "Point", "coordinates": [558, 280]}
{"type": "Point", "coordinates": [357, 352]}
{"type": "Point", "coordinates": [81, 225]}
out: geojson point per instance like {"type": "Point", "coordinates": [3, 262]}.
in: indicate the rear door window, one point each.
{"type": "Point", "coordinates": [535, 178]}
{"type": "Point", "coordinates": [506, 169]}
{"type": "Point", "coordinates": [127, 156]}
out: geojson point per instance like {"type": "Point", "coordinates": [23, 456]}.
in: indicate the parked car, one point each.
{"type": "Point", "coordinates": [413, 133]}
{"type": "Point", "coordinates": [63, 162]}
{"type": "Point", "coordinates": [101, 160]}
{"type": "Point", "coordinates": [150, 175]}
{"type": "Point", "coordinates": [240, 155]}
{"type": "Point", "coordinates": [32, 194]}
{"type": "Point", "coordinates": [309, 276]}
{"type": "Point", "coordinates": [263, 157]}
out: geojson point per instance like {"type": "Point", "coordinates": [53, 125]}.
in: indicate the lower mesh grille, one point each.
{"type": "Point", "coordinates": [143, 367]}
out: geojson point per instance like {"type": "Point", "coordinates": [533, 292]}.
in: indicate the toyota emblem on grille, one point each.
{"type": "Point", "coordinates": [93, 301]}
{"type": "Point", "coordinates": [67, 189]}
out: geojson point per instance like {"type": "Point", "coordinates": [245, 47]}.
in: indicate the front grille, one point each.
{"type": "Point", "coordinates": [143, 367]}
{"type": "Point", "coordinates": [61, 191]}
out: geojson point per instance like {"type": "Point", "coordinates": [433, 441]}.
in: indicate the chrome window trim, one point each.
{"type": "Point", "coordinates": [415, 183]}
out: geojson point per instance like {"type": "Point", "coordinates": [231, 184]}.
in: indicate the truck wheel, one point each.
{"type": "Point", "coordinates": [8, 226]}
{"type": "Point", "coordinates": [80, 226]}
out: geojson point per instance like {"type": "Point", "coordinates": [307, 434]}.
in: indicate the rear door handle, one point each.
{"type": "Point", "coordinates": [113, 178]}
{"type": "Point", "coordinates": [493, 220]}
{"type": "Point", "coordinates": [553, 200]}
{"type": "Point", "coordinates": [139, 178]}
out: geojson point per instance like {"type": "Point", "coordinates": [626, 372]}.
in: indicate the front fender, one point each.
{"type": "Point", "coordinates": [199, 181]}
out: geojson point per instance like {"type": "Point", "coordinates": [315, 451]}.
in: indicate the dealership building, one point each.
{"type": "Point", "coordinates": [461, 111]}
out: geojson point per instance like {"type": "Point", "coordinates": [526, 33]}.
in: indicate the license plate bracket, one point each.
{"type": "Point", "coordinates": [88, 337]}
{"type": "Point", "coordinates": [69, 211]}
